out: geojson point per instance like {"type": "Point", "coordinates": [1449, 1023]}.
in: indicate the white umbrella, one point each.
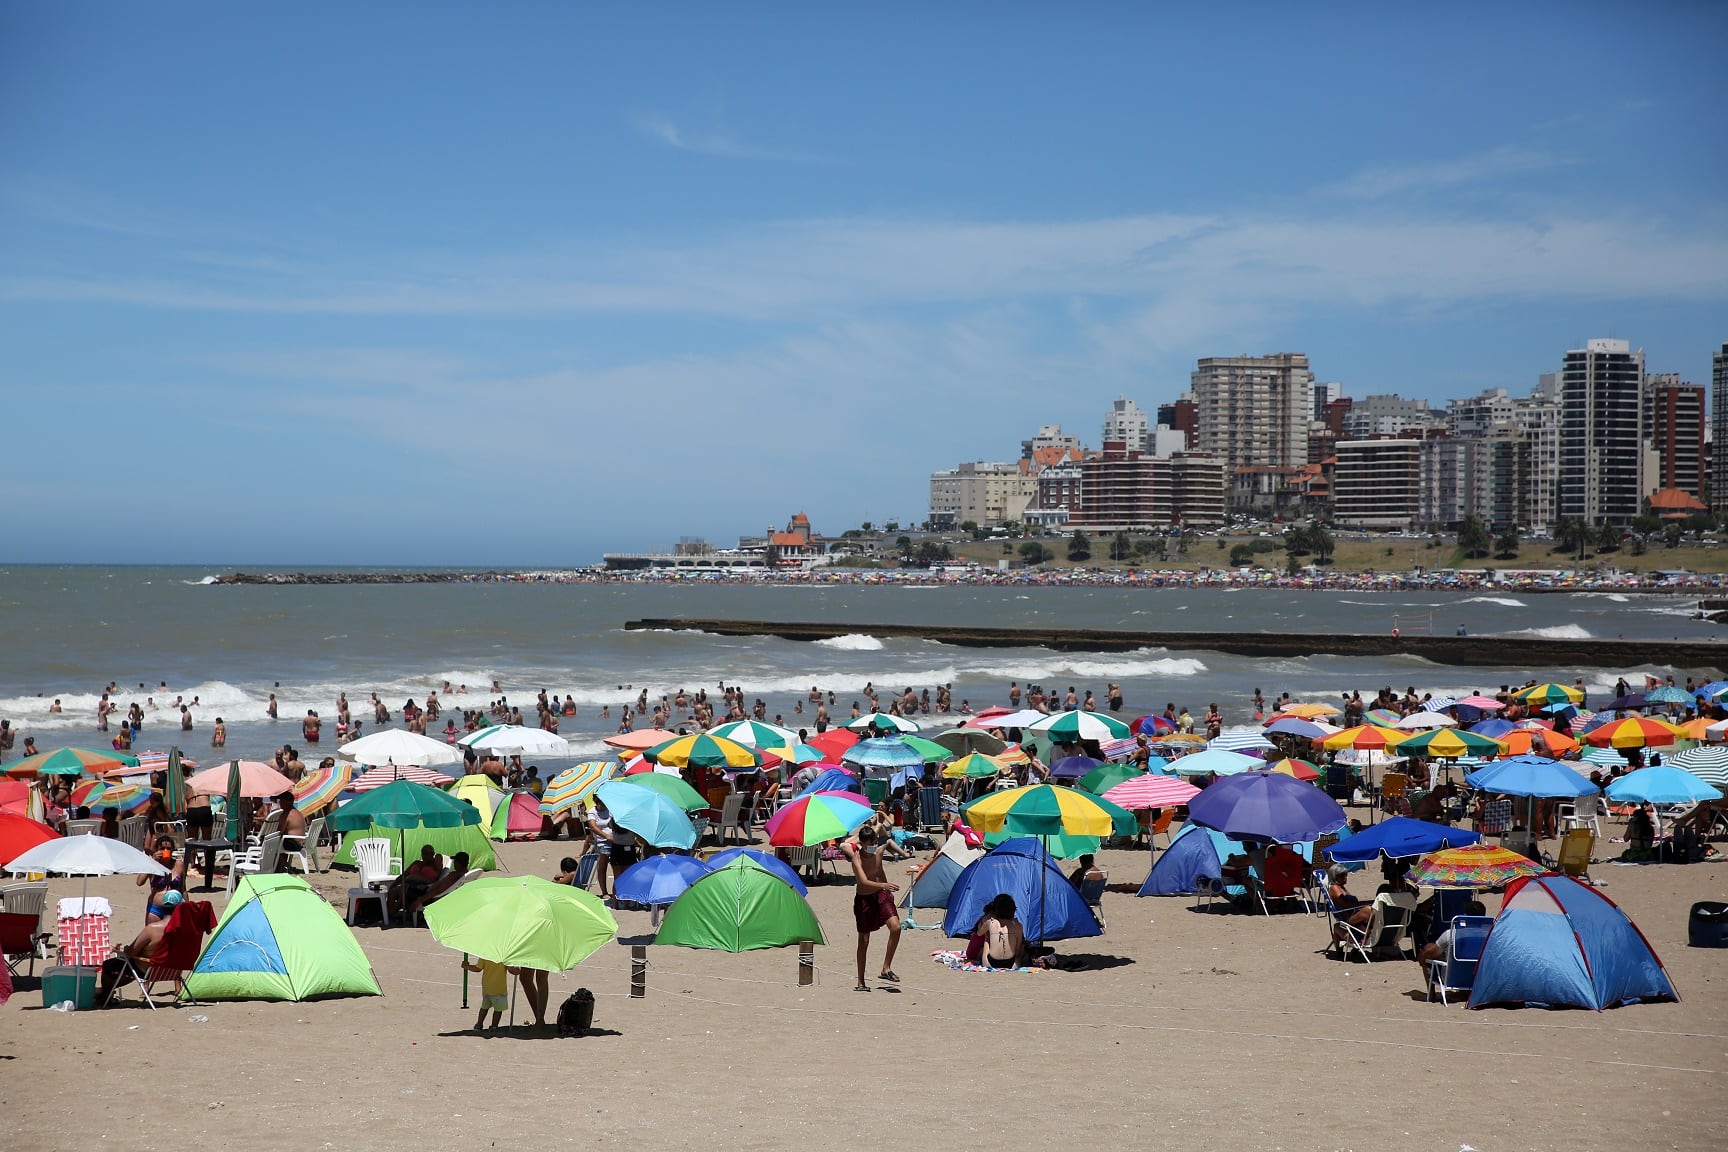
{"type": "Point", "coordinates": [399, 746]}
{"type": "Point", "coordinates": [86, 856]}
{"type": "Point", "coordinates": [1008, 720]}
{"type": "Point", "coordinates": [516, 740]}
{"type": "Point", "coordinates": [1239, 741]}
{"type": "Point", "coordinates": [1421, 720]}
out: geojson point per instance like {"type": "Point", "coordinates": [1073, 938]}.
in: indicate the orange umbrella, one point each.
{"type": "Point", "coordinates": [1698, 729]}
{"type": "Point", "coordinates": [641, 740]}
{"type": "Point", "coordinates": [1523, 741]}
{"type": "Point", "coordinates": [1633, 732]}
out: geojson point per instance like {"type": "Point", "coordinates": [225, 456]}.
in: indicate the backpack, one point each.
{"type": "Point", "coordinates": [576, 1014]}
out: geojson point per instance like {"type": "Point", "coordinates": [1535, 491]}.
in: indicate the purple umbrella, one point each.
{"type": "Point", "coordinates": [1266, 806]}
{"type": "Point", "coordinates": [1493, 728]}
{"type": "Point", "coordinates": [1072, 767]}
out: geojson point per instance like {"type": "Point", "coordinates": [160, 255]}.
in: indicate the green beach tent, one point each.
{"type": "Point", "coordinates": [470, 838]}
{"type": "Point", "coordinates": [739, 908]}
{"type": "Point", "coordinates": [279, 940]}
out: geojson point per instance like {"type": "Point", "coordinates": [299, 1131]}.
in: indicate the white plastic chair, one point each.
{"type": "Point", "coordinates": [1584, 812]}
{"type": "Point", "coordinates": [134, 830]}
{"type": "Point", "coordinates": [731, 817]}
{"type": "Point", "coordinates": [269, 855]}
{"type": "Point", "coordinates": [372, 858]}
{"type": "Point", "coordinates": [302, 849]}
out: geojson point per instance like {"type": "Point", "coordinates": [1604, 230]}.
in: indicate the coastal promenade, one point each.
{"type": "Point", "coordinates": [1469, 651]}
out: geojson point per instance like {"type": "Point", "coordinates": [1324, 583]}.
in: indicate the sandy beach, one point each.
{"type": "Point", "coordinates": [1192, 1030]}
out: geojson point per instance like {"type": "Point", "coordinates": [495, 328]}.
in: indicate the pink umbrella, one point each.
{"type": "Point", "coordinates": [256, 780]}
{"type": "Point", "coordinates": [386, 773]}
{"type": "Point", "coordinates": [1151, 791]}
{"type": "Point", "coordinates": [1481, 702]}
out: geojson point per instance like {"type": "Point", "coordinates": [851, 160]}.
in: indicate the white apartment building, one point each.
{"type": "Point", "coordinates": [1126, 424]}
{"type": "Point", "coordinates": [1050, 436]}
{"type": "Point", "coordinates": [1374, 416]}
{"type": "Point", "coordinates": [1254, 410]}
{"type": "Point", "coordinates": [988, 494]}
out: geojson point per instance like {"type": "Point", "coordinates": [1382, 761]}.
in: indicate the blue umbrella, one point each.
{"type": "Point", "coordinates": [898, 780]}
{"type": "Point", "coordinates": [1667, 695]}
{"type": "Point", "coordinates": [1493, 727]}
{"type": "Point", "coordinates": [1072, 767]}
{"type": "Point", "coordinates": [882, 752]}
{"type": "Point", "coordinates": [1530, 776]}
{"type": "Point", "coordinates": [1713, 689]}
{"type": "Point", "coordinates": [833, 780]}
{"type": "Point", "coordinates": [772, 864]}
{"type": "Point", "coordinates": [1266, 806]}
{"type": "Point", "coordinates": [1214, 762]}
{"type": "Point", "coordinates": [1398, 837]}
{"type": "Point", "coordinates": [1296, 726]}
{"type": "Point", "coordinates": [647, 813]}
{"type": "Point", "coordinates": [1661, 785]}
{"type": "Point", "coordinates": [659, 879]}
{"type": "Point", "coordinates": [1561, 709]}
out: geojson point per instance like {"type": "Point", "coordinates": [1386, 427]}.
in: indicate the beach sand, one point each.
{"type": "Point", "coordinates": [1195, 1031]}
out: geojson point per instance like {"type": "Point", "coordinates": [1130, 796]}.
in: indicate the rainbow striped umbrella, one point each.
{"type": "Point", "coordinates": [321, 786]}
{"type": "Point", "coordinates": [1364, 737]}
{"type": "Point", "coordinates": [70, 762]}
{"type": "Point", "coordinates": [704, 751]}
{"type": "Point", "coordinates": [390, 773]}
{"type": "Point", "coordinates": [973, 766]}
{"type": "Point", "coordinates": [1634, 732]}
{"type": "Point", "coordinates": [1473, 866]}
{"type": "Point", "coordinates": [1382, 716]}
{"type": "Point", "coordinates": [1301, 769]}
{"type": "Point", "coordinates": [574, 785]}
{"type": "Point", "coordinates": [97, 795]}
{"type": "Point", "coordinates": [799, 754]}
{"type": "Point", "coordinates": [816, 818]}
{"type": "Point", "coordinates": [1449, 743]}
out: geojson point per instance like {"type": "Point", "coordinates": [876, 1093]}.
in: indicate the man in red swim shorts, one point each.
{"type": "Point", "coordinates": [873, 907]}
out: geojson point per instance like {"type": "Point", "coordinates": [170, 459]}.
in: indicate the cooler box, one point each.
{"type": "Point", "coordinates": [75, 984]}
{"type": "Point", "coordinates": [1708, 927]}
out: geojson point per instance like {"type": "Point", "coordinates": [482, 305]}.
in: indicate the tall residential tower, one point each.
{"type": "Point", "coordinates": [1254, 410]}
{"type": "Point", "coordinates": [1602, 438]}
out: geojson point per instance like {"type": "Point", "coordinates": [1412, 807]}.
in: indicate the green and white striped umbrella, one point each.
{"type": "Point", "coordinates": [879, 722]}
{"type": "Point", "coordinates": [1708, 762]}
{"type": "Point", "coordinates": [756, 734]}
{"type": "Point", "coordinates": [1604, 758]}
{"type": "Point", "coordinates": [1073, 727]}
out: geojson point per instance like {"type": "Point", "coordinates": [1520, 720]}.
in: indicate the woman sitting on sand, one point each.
{"type": "Point", "coordinates": [998, 940]}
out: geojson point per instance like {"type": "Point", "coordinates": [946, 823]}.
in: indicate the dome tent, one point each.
{"type": "Point", "coordinates": [279, 940]}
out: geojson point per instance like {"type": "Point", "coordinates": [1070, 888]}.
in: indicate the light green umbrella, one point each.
{"type": "Point", "coordinates": [932, 752]}
{"type": "Point", "coordinates": [522, 921]}
{"type": "Point", "coordinates": [669, 786]}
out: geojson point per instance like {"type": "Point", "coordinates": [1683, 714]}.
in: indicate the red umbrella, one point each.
{"type": "Point", "coordinates": [833, 742]}
{"type": "Point", "coordinates": [18, 835]}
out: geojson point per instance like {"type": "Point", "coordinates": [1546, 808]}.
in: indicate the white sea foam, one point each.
{"type": "Point", "coordinates": [1614, 596]}
{"type": "Point", "coordinates": [1556, 632]}
{"type": "Point", "coordinates": [852, 642]}
{"type": "Point", "coordinates": [1503, 601]}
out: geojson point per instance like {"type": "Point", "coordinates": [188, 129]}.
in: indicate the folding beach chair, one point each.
{"type": "Point", "coordinates": [929, 809]}
{"type": "Point", "coordinates": [1574, 857]}
{"type": "Point", "coordinates": [1456, 970]}
{"type": "Point", "coordinates": [1092, 892]}
{"type": "Point", "coordinates": [182, 941]}
{"type": "Point", "coordinates": [1496, 818]}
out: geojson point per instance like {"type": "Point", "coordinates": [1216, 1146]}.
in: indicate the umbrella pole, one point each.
{"type": "Point", "coordinates": [464, 981]}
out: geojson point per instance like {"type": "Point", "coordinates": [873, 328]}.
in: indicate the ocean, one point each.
{"type": "Point", "coordinates": [69, 631]}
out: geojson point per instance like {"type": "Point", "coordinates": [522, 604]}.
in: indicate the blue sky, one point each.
{"type": "Point", "coordinates": [517, 283]}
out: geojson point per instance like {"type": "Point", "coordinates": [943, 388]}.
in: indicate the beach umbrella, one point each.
{"type": "Point", "coordinates": [1714, 690]}
{"type": "Point", "coordinates": [657, 820]}
{"type": "Point", "coordinates": [70, 762]}
{"type": "Point", "coordinates": [404, 804]}
{"type": "Point", "coordinates": [120, 797]}
{"type": "Point", "coordinates": [1696, 729]}
{"type": "Point", "coordinates": [1480, 703]}
{"type": "Point", "coordinates": [703, 751]}
{"type": "Point", "coordinates": [658, 880]}
{"type": "Point", "coordinates": [833, 742]}
{"type": "Point", "coordinates": [1296, 726]}
{"type": "Point", "coordinates": [1708, 764]}
{"type": "Point", "coordinates": [739, 908]}
{"type": "Point", "coordinates": [672, 787]}
{"type": "Point", "coordinates": [1043, 810]}
{"type": "Point", "coordinates": [1668, 695]}
{"type": "Point", "coordinates": [961, 741]}
{"type": "Point", "coordinates": [232, 825]}
{"type": "Point", "coordinates": [1547, 694]}
{"type": "Point", "coordinates": [1603, 758]}
{"type": "Point", "coordinates": [321, 786]}
{"type": "Point", "coordinates": [257, 780]}
{"type": "Point", "coordinates": [1661, 784]}
{"type": "Point", "coordinates": [640, 740]}
{"type": "Point", "coordinates": [1400, 837]}
{"type": "Point", "coordinates": [883, 752]}
{"type": "Point", "coordinates": [799, 754]}
{"type": "Point", "coordinates": [1364, 737]}
{"type": "Point", "coordinates": [1531, 776]}
{"type": "Point", "coordinates": [1002, 719]}
{"type": "Point", "coordinates": [1474, 866]}
{"type": "Point", "coordinates": [932, 752]}
{"type": "Point", "coordinates": [174, 790]}
{"type": "Point", "coordinates": [1448, 743]}
{"type": "Point", "coordinates": [1300, 769]}
{"type": "Point", "coordinates": [383, 774]}
{"type": "Point", "coordinates": [1073, 767]}
{"type": "Point", "coordinates": [574, 785]}
{"type": "Point", "coordinates": [1417, 721]}
{"type": "Point", "coordinates": [1384, 717]}
{"type": "Point", "coordinates": [1537, 741]}
{"type": "Point", "coordinates": [1077, 725]}
{"type": "Point", "coordinates": [1441, 703]}
{"type": "Point", "coordinates": [1150, 790]}
{"type": "Point", "coordinates": [399, 746]}
{"type": "Point", "coordinates": [84, 856]}
{"type": "Point", "coordinates": [1214, 762]}
{"type": "Point", "coordinates": [522, 921]}
{"type": "Point", "coordinates": [1012, 755]}
{"type": "Point", "coordinates": [1635, 732]}
{"type": "Point", "coordinates": [815, 818]}
{"type": "Point", "coordinates": [516, 740]}
{"type": "Point", "coordinates": [1494, 727]}
{"type": "Point", "coordinates": [1309, 711]}
{"type": "Point", "coordinates": [1240, 741]}
{"type": "Point", "coordinates": [1565, 709]}
{"type": "Point", "coordinates": [973, 766]}
{"type": "Point", "coordinates": [1630, 702]}
{"type": "Point", "coordinates": [755, 733]}
{"type": "Point", "coordinates": [19, 834]}
{"type": "Point", "coordinates": [833, 779]}
{"type": "Point", "coordinates": [1152, 726]}
{"type": "Point", "coordinates": [880, 722]}
{"type": "Point", "coordinates": [1266, 806]}
{"type": "Point", "coordinates": [1106, 776]}
{"type": "Point", "coordinates": [763, 860]}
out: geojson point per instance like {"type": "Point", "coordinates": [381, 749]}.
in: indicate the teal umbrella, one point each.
{"type": "Point", "coordinates": [658, 820]}
{"type": "Point", "coordinates": [231, 806]}
{"type": "Point", "coordinates": [403, 804]}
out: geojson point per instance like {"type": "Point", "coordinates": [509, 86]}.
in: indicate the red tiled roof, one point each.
{"type": "Point", "coordinates": [1675, 500]}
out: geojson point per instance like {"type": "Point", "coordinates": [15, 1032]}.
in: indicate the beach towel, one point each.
{"type": "Point", "coordinates": [958, 962]}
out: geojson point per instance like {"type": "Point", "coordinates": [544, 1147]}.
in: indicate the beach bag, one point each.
{"type": "Point", "coordinates": [576, 1014]}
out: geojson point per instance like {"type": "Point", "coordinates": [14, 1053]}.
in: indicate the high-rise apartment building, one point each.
{"type": "Point", "coordinates": [1126, 424]}
{"type": "Point", "coordinates": [1602, 439]}
{"type": "Point", "coordinates": [1377, 483]}
{"type": "Point", "coordinates": [1719, 430]}
{"type": "Point", "coordinates": [1374, 416]}
{"type": "Point", "coordinates": [1254, 410]}
{"type": "Point", "coordinates": [1050, 436]}
{"type": "Point", "coordinates": [1182, 415]}
{"type": "Point", "coordinates": [1674, 423]}
{"type": "Point", "coordinates": [987, 494]}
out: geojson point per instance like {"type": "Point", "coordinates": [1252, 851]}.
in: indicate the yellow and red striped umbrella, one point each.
{"type": "Point", "coordinates": [1364, 738]}
{"type": "Point", "coordinates": [1633, 732]}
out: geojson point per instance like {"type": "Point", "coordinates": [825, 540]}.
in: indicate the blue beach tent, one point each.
{"type": "Point", "coordinates": [1561, 944]}
{"type": "Point", "coordinates": [1194, 852]}
{"type": "Point", "coordinates": [1049, 908]}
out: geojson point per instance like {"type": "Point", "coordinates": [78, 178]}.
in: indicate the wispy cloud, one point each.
{"type": "Point", "coordinates": [662, 129]}
{"type": "Point", "coordinates": [1483, 167]}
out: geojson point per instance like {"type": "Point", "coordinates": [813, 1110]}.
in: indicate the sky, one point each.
{"type": "Point", "coordinates": [428, 284]}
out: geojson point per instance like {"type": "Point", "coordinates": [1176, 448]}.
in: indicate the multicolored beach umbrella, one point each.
{"type": "Point", "coordinates": [1106, 776]}
{"type": "Point", "coordinates": [799, 754]}
{"type": "Point", "coordinates": [816, 818]}
{"type": "Point", "coordinates": [1308, 711]}
{"type": "Point", "coordinates": [1449, 744]}
{"type": "Point", "coordinates": [1382, 716]}
{"type": "Point", "coordinates": [1549, 694]}
{"type": "Point", "coordinates": [1077, 725]}
{"type": "Point", "coordinates": [386, 774]}
{"type": "Point", "coordinates": [70, 762]}
{"type": "Point", "coordinates": [703, 750]}
{"type": "Point", "coordinates": [1364, 738]}
{"type": "Point", "coordinates": [1473, 866]}
{"type": "Point", "coordinates": [1044, 810]}
{"type": "Point", "coordinates": [756, 734]}
{"type": "Point", "coordinates": [320, 787]}
{"type": "Point", "coordinates": [1633, 732]}
{"type": "Point", "coordinates": [574, 785]}
{"type": "Point", "coordinates": [1301, 769]}
{"type": "Point", "coordinates": [98, 795]}
{"type": "Point", "coordinates": [974, 766]}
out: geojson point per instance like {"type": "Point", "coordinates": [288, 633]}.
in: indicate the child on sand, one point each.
{"type": "Point", "coordinates": [494, 990]}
